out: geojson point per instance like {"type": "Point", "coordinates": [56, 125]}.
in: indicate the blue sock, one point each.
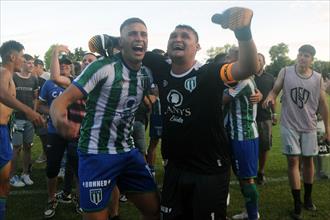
{"type": "Point", "coordinates": [2, 208]}
{"type": "Point", "coordinates": [251, 200]}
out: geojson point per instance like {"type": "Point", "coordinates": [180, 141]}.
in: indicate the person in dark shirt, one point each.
{"type": "Point", "coordinates": [265, 117]}
{"type": "Point", "coordinates": [194, 140]}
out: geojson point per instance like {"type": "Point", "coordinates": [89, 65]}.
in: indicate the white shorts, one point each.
{"type": "Point", "coordinates": [299, 143]}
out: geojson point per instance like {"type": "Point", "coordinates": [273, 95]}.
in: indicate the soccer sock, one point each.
{"type": "Point", "coordinates": [297, 201]}
{"type": "Point", "coordinates": [308, 193]}
{"type": "Point", "coordinates": [2, 208]}
{"type": "Point", "coordinates": [250, 194]}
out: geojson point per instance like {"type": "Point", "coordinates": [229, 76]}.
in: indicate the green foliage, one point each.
{"type": "Point", "coordinates": [77, 55]}
{"type": "Point", "coordinates": [279, 57]}
{"type": "Point", "coordinates": [48, 56]}
{"type": "Point", "coordinates": [213, 51]}
{"type": "Point", "coordinates": [321, 66]}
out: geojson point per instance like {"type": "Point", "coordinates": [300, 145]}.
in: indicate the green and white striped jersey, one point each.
{"type": "Point", "coordinates": [114, 93]}
{"type": "Point", "coordinates": [242, 113]}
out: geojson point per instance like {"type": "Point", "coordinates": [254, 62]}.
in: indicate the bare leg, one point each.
{"type": "Point", "coordinates": [294, 172]}
{"type": "Point", "coordinates": [16, 152]}
{"type": "Point", "coordinates": [147, 203]}
{"type": "Point", "coordinates": [26, 157]}
{"type": "Point", "coordinates": [114, 205]}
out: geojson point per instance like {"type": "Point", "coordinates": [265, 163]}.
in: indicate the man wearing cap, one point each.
{"type": "Point", "coordinates": [26, 92]}
{"type": "Point", "coordinates": [56, 143]}
{"type": "Point", "coordinates": [194, 140]}
{"type": "Point", "coordinates": [302, 97]}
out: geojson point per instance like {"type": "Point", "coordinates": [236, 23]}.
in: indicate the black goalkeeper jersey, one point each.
{"type": "Point", "coordinates": [193, 136]}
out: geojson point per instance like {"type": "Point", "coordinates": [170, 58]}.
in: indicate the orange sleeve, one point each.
{"type": "Point", "coordinates": [226, 73]}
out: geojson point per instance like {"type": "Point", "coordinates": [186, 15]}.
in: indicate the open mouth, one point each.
{"type": "Point", "coordinates": [138, 48]}
{"type": "Point", "coordinates": [178, 47]}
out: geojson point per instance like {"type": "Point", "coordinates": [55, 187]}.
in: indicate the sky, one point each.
{"type": "Point", "coordinates": [39, 24]}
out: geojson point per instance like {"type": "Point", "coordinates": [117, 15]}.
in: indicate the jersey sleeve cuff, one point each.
{"type": "Point", "coordinates": [80, 88]}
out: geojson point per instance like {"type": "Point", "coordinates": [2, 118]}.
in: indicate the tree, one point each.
{"type": "Point", "coordinates": [213, 51]}
{"type": "Point", "coordinates": [321, 66]}
{"type": "Point", "coordinates": [77, 55]}
{"type": "Point", "coordinates": [278, 55]}
{"type": "Point", "coordinates": [48, 56]}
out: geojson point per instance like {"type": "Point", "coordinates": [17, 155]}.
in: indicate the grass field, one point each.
{"type": "Point", "coordinates": [275, 197]}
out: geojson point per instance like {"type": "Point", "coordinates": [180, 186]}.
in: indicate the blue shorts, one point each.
{"type": "Point", "coordinates": [99, 173]}
{"type": "Point", "coordinates": [245, 158]}
{"type": "Point", "coordinates": [6, 148]}
{"type": "Point", "coordinates": [156, 128]}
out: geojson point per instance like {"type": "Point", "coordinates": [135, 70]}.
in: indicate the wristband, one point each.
{"type": "Point", "coordinates": [243, 34]}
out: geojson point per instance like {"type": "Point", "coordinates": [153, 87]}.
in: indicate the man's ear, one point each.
{"type": "Point", "coordinates": [198, 47]}
{"type": "Point", "coordinates": [12, 57]}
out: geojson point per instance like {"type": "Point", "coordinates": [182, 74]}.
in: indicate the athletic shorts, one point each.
{"type": "Point", "coordinates": [6, 148]}
{"type": "Point", "coordinates": [265, 135]}
{"type": "Point", "coordinates": [156, 128]}
{"type": "Point", "coordinates": [188, 195]}
{"type": "Point", "coordinates": [99, 173]}
{"type": "Point", "coordinates": [245, 158]}
{"type": "Point", "coordinates": [299, 143]}
{"type": "Point", "coordinates": [23, 132]}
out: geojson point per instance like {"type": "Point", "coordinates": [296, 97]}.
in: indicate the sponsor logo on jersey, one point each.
{"type": "Point", "coordinates": [299, 96]}
{"type": "Point", "coordinates": [97, 183]}
{"type": "Point", "coordinates": [190, 84]}
{"type": "Point", "coordinates": [175, 98]}
{"type": "Point", "coordinates": [95, 196]}
{"type": "Point", "coordinates": [165, 209]}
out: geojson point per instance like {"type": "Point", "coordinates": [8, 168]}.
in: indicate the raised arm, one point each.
{"type": "Point", "coordinates": [55, 66]}
{"type": "Point", "coordinates": [239, 20]}
{"type": "Point", "coordinates": [11, 101]}
{"type": "Point", "coordinates": [59, 114]}
{"type": "Point", "coordinates": [271, 97]}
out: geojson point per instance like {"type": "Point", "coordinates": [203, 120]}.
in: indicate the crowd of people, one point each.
{"type": "Point", "coordinates": [92, 115]}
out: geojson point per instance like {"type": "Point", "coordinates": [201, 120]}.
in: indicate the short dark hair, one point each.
{"type": "Point", "coordinates": [158, 51]}
{"type": "Point", "coordinates": [8, 47]}
{"type": "Point", "coordinates": [131, 21]}
{"type": "Point", "coordinates": [307, 48]}
{"type": "Point", "coordinates": [188, 27]}
{"type": "Point", "coordinates": [28, 57]}
{"type": "Point", "coordinates": [89, 53]}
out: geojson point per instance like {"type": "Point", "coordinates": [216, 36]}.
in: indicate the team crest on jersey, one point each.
{"type": "Point", "coordinates": [95, 196]}
{"type": "Point", "coordinates": [175, 97]}
{"type": "Point", "coordinates": [299, 96]}
{"type": "Point", "coordinates": [190, 84]}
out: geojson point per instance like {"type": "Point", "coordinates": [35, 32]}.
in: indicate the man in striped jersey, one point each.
{"type": "Point", "coordinates": [243, 134]}
{"type": "Point", "coordinates": [114, 88]}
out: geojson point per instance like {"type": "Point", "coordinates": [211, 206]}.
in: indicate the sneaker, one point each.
{"type": "Point", "coordinates": [243, 216]}
{"type": "Point", "coordinates": [261, 179]}
{"type": "Point", "coordinates": [122, 198]}
{"type": "Point", "coordinates": [310, 206]}
{"type": "Point", "coordinates": [15, 181]}
{"type": "Point", "coordinates": [296, 216]}
{"type": "Point", "coordinates": [63, 197]}
{"type": "Point", "coordinates": [61, 174]}
{"type": "Point", "coordinates": [41, 159]}
{"type": "Point", "coordinates": [50, 209]}
{"type": "Point", "coordinates": [26, 179]}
